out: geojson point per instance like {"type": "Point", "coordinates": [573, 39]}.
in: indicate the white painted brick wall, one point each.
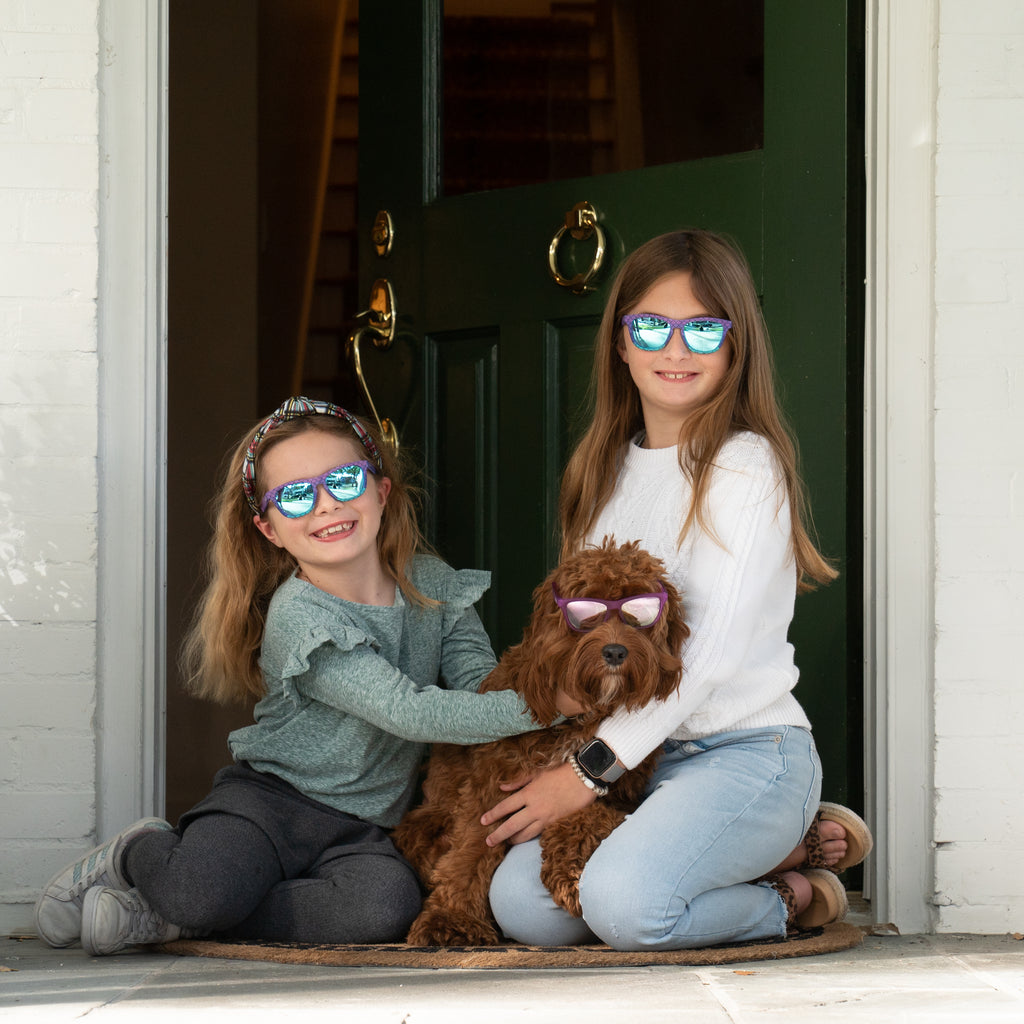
{"type": "Point", "coordinates": [979, 504]}
{"type": "Point", "coordinates": [49, 128]}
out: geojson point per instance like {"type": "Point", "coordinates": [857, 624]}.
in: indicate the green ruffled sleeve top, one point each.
{"type": "Point", "coordinates": [355, 692]}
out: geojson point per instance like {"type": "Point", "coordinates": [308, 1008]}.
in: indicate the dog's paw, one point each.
{"type": "Point", "coordinates": [443, 929]}
{"type": "Point", "coordinates": [561, 878]}
{"type": "Point", "coordinates": [566, 894]}
{"type": "Point", "coordinates": [570, 901]}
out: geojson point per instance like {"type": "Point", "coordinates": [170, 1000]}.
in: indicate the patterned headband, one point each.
{"type": "Point", "coordinates": [292, 409]}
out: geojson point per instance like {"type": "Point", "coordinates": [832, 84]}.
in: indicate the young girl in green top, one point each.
{"type": "Point", "coordinates": [323, 605]}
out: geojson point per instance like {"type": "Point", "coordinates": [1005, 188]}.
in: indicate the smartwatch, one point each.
{"type": "Point", "coordinates": [598, 760]}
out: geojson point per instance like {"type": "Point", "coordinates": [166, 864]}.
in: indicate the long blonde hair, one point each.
{"type": "Point", "coordinates": [745, 400]}
{"type": "Point", "coordinates": [220, 654]}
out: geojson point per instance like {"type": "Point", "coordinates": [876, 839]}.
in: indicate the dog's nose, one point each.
{"type": "Point", "coordinates": [614, 654]}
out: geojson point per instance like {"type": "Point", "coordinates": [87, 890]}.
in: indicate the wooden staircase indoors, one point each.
{"type": "Point", "coordinates": [330, 298]}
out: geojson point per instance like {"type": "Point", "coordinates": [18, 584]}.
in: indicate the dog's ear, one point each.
{"type": "Point", "coordinates": [524, 667]}
{"type": "Point", "coordinates": [534, 679]}
{"type": "Point", "coordinates": [538, 688]}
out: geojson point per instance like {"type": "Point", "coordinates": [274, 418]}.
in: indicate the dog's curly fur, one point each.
{"type": "Point", "coordinates": [443, 837]}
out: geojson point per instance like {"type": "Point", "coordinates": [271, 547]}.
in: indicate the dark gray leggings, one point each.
{"type": "Point", "coordinates": [256, 859]}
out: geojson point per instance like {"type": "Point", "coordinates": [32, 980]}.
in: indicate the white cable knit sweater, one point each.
{"type": "Point", "coordinates": [738, 667]}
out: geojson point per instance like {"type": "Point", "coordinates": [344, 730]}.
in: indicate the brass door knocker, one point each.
{"type": "Point", "coordinates": [581, 223]}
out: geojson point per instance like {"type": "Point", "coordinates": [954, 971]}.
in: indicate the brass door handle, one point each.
{"type": "Point", "coordinates": [581, 223]}
{"type": "Point", "coordinates": [381, 330]}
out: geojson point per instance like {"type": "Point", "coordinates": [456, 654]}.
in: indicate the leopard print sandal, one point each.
{"type": "Point", "coordinates": [858, 838]}
{"type": "Point", "coordinates": [828, 904]}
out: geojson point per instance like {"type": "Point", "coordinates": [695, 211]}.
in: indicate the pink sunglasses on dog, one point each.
{"type": "Point", "coordinates": [583, 614]}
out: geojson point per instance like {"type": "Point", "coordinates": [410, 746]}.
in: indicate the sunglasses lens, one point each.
{"type": "Point", "coordinates": [649, 333]}
{"type": "Point", "coordinates": [346, 482]}
{"type": "Point", "coordinates": [704, 336]}
{"type": "Point", "coordinates": [585, 614]}
{"type": "Point", "coordinates": [295, 500]}
{"type": "Point", "coordinates": [641, 611]}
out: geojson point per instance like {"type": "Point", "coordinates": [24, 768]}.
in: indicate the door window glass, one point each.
{"type": "Point", "coordinates": [542, 90]}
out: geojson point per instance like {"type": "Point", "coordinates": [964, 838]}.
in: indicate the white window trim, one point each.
{"type": "Point", "coordinates": [132, 460]}
{"type": "Point", "coordinates": [902, 40]}
{"type": "Point", "coordinates": [899, 564]}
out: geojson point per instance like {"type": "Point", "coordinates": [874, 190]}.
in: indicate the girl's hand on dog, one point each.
{"type": "Point", "coordinates": [536, 803]}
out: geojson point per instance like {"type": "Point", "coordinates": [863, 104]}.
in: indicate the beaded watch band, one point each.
{"type": "Point", "coordinates": [585, 778]}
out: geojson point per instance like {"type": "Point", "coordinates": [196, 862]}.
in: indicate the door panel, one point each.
{"type": "Point", "coordinates": [463, 473]}
{"type": "Point", "coordinates": [488, 377]}
{"type": "Point", "coordinates": [507, 410]}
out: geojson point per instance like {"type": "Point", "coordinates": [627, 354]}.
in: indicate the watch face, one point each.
{"type": "Point", "coordinates": [596, 758]}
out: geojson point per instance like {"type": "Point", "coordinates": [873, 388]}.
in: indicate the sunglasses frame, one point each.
{"type": "Point", "coordinates": [630, 319]}
{"type": "Point", "coordinates": [609, 607]}
{"type": "Point", "coordinates": [274, 494]}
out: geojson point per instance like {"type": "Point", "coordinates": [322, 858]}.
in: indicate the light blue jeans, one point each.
{"type": "Point", "coordinates": [676, 874]}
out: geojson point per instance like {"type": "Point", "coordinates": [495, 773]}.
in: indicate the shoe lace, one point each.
{"type": "Point", "coordinates": [145, 921]}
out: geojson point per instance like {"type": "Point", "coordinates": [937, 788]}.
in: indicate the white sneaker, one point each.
{"type": "Point", "coordinates": [58, 911]}
{"type": "Point", "coordinates": [115, 918]}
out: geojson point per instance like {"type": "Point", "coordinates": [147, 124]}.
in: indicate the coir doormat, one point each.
{"type": "Point", "coordinates": [831, 938]}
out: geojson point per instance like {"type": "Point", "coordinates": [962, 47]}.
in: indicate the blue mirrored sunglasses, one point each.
{"type": "Point", "coordinates": [298, 497]}
{"type": "Point", "coordinates": [650, 332]}
{"type": "Point", "coordinates": [583, 614]}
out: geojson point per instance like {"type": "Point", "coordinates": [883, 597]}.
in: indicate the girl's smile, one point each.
{"type": "Point", "coordinates": [328, 532]}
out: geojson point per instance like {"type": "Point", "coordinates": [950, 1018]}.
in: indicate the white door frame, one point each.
{"type": "Point", "coordinates": [132, 341]}
{"type": "Point", "coordinates": [899, 565]}
{"type": "Point", "coordinates": [901, 87]}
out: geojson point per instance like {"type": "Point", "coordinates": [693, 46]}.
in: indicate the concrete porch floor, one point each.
{"type": "Point", "coordinates": [889, 979]}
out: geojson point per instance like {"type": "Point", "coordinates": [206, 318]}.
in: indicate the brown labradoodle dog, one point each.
{"type": "Point", "coordinates": [602, 666]}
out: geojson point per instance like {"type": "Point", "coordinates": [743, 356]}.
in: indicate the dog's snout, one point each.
{"type": "Point", "coordinates": [614, 654]}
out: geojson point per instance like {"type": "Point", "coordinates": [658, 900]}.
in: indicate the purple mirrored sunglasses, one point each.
{"type": "Point", "coordinates": [297, 498]}
{"type": "Point", "coordinates": [651, 332]}
{"type": "Point", "coordinates": [583, 614]}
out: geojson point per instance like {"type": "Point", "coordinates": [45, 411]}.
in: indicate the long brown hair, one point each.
{"type": "Point", "coordinates": [220, 655]}
{"type": "Point", "coordinates": [745, 400]}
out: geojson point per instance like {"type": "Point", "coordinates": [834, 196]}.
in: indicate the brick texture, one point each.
{"type": "Point", "coordinates": [979, 418]}
{"type": "Point", "coordinates": [49, 173]}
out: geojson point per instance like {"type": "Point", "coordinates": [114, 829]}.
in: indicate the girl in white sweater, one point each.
{"type": "Point", "coordinates": [687, 453]}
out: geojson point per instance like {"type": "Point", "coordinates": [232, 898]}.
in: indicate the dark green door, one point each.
{"type": "Point", "coordinates": [479, 133]}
